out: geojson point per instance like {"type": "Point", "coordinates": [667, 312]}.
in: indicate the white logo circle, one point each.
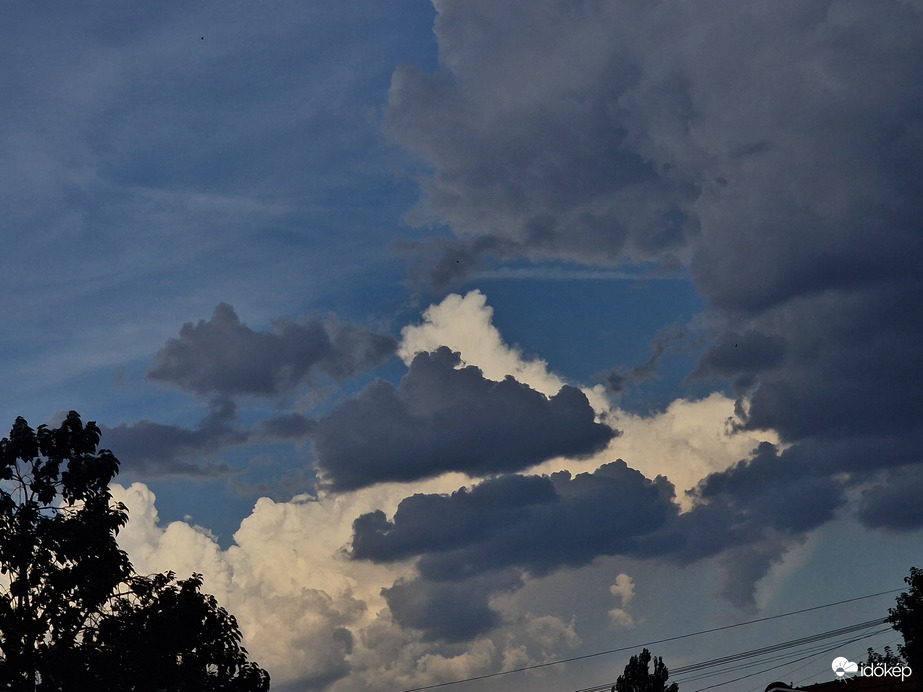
{"type": "Point", "coordinates": [843, 666]}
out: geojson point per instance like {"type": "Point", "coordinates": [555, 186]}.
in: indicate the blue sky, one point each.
{"type": "Point", "coordinates": [450, 338]}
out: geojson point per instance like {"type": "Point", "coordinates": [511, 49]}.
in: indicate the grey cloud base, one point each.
{"type": "Point", "coordinates": [453, 612]}
{"type": "Point", "coordinates": [476, 543]}
{"type": "Point", "coordinates": [448, 418]}
{"type": "Point", "coordinates": [536, 523]}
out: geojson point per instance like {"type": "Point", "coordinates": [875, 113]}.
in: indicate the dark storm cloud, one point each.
{"type": "Point", "coordinates": [438, 523]}
{"type": "Point", "coordinates": [221, 356]}
{"type": "Point", "coordinates": [445, 418]}
{"type": "Point", "coordinates": [547, 173]}
{"type": "Point", "coordinates": [749, 515]}
{"type": "Point", "coordinates": [774, 150]}
{"type": "Point", "coordinates": [154, 449]}
{"type": "Point", "coordinates": [624, 130]}
{"type": "Point", "coordinates": [773, 490]}
{"type": "Point", "coordinates": [799, 488]}
{"type": "Point", "coordinates": [477, 542]}
{"type": "Point", "coordinates": [746, 518]}
{"type": "Point", "coordinates": [849, 365]}
{"type": "Point", "coordinates": [735, 353]}
{"type": "Point", "coordinates": [533, 523]}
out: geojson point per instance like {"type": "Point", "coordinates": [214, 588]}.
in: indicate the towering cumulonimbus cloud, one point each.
{"type": "Point", "coordinates": [774, 151]}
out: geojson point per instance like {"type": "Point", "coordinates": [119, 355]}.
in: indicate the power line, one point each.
{"type": "Point", "coordinates": [797, 660]}
{"type": "Point", "coordinates": [778, 647]}
{"type": "Point", "coordinates": [816, 649]}
{"type": "Point", "coordinates": [651, 643]}
{"type": "Point", "coordinates": [813, 654]}
{"type": "Point", "coordinates": [753, 653]}
{"type": "Point", "coordinates": [803, 680]}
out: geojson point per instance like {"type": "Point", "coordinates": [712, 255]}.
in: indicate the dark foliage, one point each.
{"type": "Point", "coordinates": [74, 615]}
{"type": "Point", "coordinates": [640, 676]}
{"type": "Point", "coordinates": [907, 618]}
{"type": "Point", "coordinates": [888, 658]}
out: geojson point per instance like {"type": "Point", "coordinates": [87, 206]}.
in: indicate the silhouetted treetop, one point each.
{"type": "Point", "coordinates": [74, 615]}
{"type": "Point", "coordinates": [907, 618]}
{"type": "Point", "coordinates": [645, 673]}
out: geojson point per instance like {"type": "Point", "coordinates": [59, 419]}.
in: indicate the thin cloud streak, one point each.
{"type": "Point", "coordinates": [560, 274]}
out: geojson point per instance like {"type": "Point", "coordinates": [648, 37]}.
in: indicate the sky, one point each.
{"type": "Point", "coordinates": [453, 338]}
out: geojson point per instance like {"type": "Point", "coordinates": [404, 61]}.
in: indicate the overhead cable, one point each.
{"type": "Point", "coordinates": [752, 653]}
{"type": "Point", "coordinates": [645, 644]}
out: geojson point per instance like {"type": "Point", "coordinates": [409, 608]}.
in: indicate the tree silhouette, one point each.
{"type": "Point", "coordinates": [640, 677]}
{"type": "Point", "coordinates": [888, 658]}
{"type": "Point", "coordinates": [74, 615]}
{"type": "Point", "coordinates": [907, 618]}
